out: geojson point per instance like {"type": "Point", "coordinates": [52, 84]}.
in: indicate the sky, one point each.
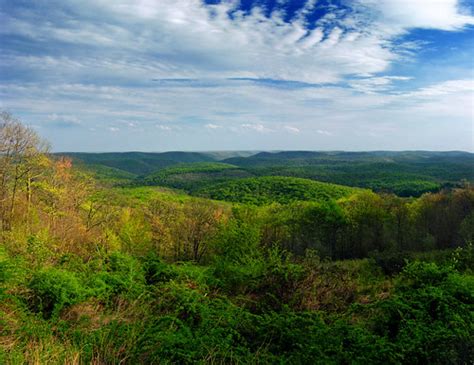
{"type": "Point", "coordinates": [195, 75]}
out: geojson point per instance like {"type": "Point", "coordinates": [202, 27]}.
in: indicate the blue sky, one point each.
{"type": "Point", "coordinates": [158, 75]}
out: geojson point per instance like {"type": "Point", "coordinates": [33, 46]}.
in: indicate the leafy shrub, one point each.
{"type": "Point", "coordinates": [420, 274]}
{"type": "Point", "coordinates": [279, 282]}
{"type": "Point", "coordinates": [390, 262]}
{"type": "Point", "coordinates": [123, 274]}
{"type": "Point", "coordinates": [156, 271]}
{"type": "Point", "coordinates": [53, 289]}
{"type": "Point", "coordinates": [238, 261]}
{"type": "Point", "coordinates": [463, 258]}
{"type": "Point", "coordinates": [5, 266]}
{"type": "Point", "coordinates": [193, 328]}
{"type": "Point", "coordinates": [429, 317]}
{"type": "Point", "coordinates": [38, 250]}
{"type": "Point", "coordinates": [393, 262]}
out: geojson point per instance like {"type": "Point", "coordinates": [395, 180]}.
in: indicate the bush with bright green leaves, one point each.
{"type": "Point", "coordinates": [429, 318]}
{"type": "Point", "coordinates": [463, 258]}
{"type": "Point", "coordinates": [121, 274]}
{"type": "Point", "coordinates": [54, 289]}
{"type": "Point", "coordinates": [157, 271]}
{"type": "Point", "coordinates": [238, 262]}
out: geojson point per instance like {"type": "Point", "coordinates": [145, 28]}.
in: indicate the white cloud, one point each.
{"type": "Point", "coordinates": [163, 127]}
{"type": "Point", "coordinates": [65, 118]}
{"type": "Point", "coordinates": [114, 129]}
{"type": "Point", "coordinates": [445, 108]}
{"type": "Point", "coordinates": [434, 14]}
{"type": "Point", "coordinates": [326, 133]}
{"type": "Point", "coordinates": [291, 129]}
{"type": "Point", "coordinates": [212, 126]}
{"type": "Point", "coordinates": [63, 121]}
{"type": "Point", "coordinates": [444, 88]}
{"type": "Point", "coordinates": [260, 128]}
{"type": "Point", "coordinates": [376, 84]}
{"type": "Point", "coordinates": [314, 37]}
{"type": "Point", "coordinates": [197, 40]}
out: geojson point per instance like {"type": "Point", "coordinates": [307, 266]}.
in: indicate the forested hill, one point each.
{"type": "Point", "coordinates": [142, 163]}
{"type": "Point", "coordinates": [307, 157]}
{"type": "Point", "coordinates": [406, 173]}
{"type": "Point", "coordinates": [138, 163]}
{"type": "Point", "coordinates": [271, 189]}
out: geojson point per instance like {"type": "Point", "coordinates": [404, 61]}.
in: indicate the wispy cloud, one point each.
{"type": "Point", "coordinates": [291, 129]}
{"type": "Point", "coordinates": [326, 133]}
{"type": "Point", "coordinates": [444, 88]}
{"type": "Point", "coordinates": [376, 84]}
{"type": "Point", "coordinates": [198, 40]}
{"type": "Point", "coordinates": [164, 127]}
{"type": "Point", "coordinates": [212, 126]}
{"type": "Point", "coordinates": [63, 121]}
{"type": "Point", "coordinates": [257, 127]}
{"type": "Point", "coordinates": [431, 14]}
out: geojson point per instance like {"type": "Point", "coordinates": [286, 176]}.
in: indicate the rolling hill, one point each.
{"type": "Point", "coordinates": [274, 189]}
{"type": "Point", "coordinates": [405, 173]}
{"type": "Point", "coordinates": [138, 163]}
{"type": "Point", "coordinates": [194, 176]}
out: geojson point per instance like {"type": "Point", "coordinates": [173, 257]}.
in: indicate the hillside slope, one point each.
{"type": "Point", "coordinates": [405, 173]}
{"type": "Point", "coordinates": [194, 176]}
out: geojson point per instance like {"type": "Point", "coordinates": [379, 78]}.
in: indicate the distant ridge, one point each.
{"type": "Point", "coordinates": [142, 163]}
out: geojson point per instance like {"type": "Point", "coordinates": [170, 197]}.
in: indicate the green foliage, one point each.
{"type": "Point", "coordinates": [156, 271]}
{"type": "Point", "coordinates": [429, 318]}
{"type": "Point", "coordinates": [194, 328]}
{"type": "Point", "coordinates": [15, 271]}
{"type": "Point", "coordinates": [238, 261]}
{"type": "Point", "coordinates": [109, 175]}
{"type": "Point", "coordinates": [54, 289]}
{"type": "Point", "coordinates": [266, 190]}
{"type": "Point", "coordinates": [463, 258]}
{"type": "Point", "coordinates": [466, 229]}
{"type": "Point", "coordinates": [279, 282]}
{"type": "Point", "coordinates": [391, 262]}
{"type": "Point", "coordinates": [121, 275]}
{"type": "Point", "coordinates": [236, 241]}
{"type": "Point", "coordinates": [190, 177]}
{"type": "Point", "coordinates": [178, 313]}
{"type": "Point", "coordinates": [139, 163]}
{"type": "Point", "coordinates": [403, 173]}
